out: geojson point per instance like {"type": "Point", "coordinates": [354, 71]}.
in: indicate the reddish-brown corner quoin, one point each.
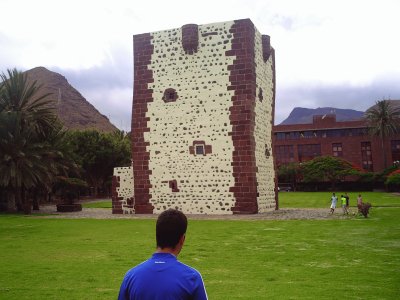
{"type": "Point", "coordinates": [242, 116]}
{"type": "Point", "coordinates": [142, 95]}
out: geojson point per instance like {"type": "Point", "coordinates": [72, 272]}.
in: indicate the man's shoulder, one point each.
{"type": "Point", "coordinates": [138, 267]}
{"type": "Point", "coordinates": [188, 269]}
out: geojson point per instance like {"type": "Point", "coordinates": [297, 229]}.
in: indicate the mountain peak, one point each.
{"type": "Point", "coordinates": [301, 115]}
{"type": "Point", "coordinates": [72, 108]}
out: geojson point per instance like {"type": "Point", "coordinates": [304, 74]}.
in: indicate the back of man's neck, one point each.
{"type": "Point", "coordinates": [172, 251]}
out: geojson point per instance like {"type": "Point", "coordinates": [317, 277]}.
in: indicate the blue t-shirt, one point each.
{"type": "Point", "coordinates": [162, 277]}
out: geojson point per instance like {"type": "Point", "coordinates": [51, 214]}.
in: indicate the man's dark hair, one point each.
{"type": "Point", "coordinates": [171, 225]}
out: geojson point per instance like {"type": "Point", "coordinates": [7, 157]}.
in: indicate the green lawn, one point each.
{"type": "Point", "coordinates": [98, 204]}
{"type": "Point", "coordinates": [323, 199]}
{"type": "Point", "coordinates": [354, 258]}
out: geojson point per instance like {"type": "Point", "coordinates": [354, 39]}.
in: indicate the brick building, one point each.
{"type": "Point", "coordinates": [325, 136]}
{"type": "Point", "coordinates": [202, 118]}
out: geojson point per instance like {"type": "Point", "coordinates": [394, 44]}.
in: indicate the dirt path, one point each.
{"type": "Point", "coordinates": [282, 214]}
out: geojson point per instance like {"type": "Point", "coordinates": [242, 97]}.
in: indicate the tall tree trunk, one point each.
{"type": "Point", "coordinates": [26, 202]}
{"type": "Point", "coordinates": [96, 190]}
{"type": "Point", "coordinates": [35, 199]}
{"type": "Point", "coordinates": [11, 207]}
{"type": "Point", "coordinates": [384, 152]}
{"type": "Point", "coordinates": [18, 202]}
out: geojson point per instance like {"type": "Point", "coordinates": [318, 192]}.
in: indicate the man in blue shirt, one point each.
{"type": "Point", "coordinates": [162, 276]}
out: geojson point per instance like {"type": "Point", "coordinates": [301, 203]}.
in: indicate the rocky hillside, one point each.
{"type": "Point", "coordinates": [72, 108]}
{"type": "Point", "coordinates": [300, 115]}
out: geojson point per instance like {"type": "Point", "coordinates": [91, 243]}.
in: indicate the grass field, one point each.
{"type": "Point", "coordinates": [354, 258]}
{"type": "Point", "coordinates": [323, 199]}
{"type": "Point", "coordinates": [98, 204]}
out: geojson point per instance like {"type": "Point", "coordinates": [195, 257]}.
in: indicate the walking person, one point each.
{"type": "Point", "coordinates": [359, 203]}
{"type": "Point", "coordinates": [344, 206]}
{"type": "Point", "coordinates": [333, 202]}
{"type": "Point", "coordinates": [162, 276]}
{"type": "Point", "coordinates": [347, 200]}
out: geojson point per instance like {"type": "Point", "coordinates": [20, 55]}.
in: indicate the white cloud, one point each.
{"type": "Point", "coordinates": [115, 103]}
{"type": "Point", "coordinates": [349, 43]}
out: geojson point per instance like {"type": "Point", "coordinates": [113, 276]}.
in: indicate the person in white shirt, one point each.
{"type": "Point", "coordinates": [333, 202]}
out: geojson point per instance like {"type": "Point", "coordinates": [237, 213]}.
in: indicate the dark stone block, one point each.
{"type": "Point", "coordinates": [69, 207]}
{"type": "Point", "coordinates": [190, 38]}
{"type": "Point", "coordinates": [266, 47]}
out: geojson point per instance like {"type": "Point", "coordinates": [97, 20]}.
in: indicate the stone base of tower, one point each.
{"type": "Point", "coordinates": [143, 209]}
{"type": "Point", "coordinates": [245, 208]}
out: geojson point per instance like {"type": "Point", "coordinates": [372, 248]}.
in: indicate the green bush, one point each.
{"type": "Point", "coordinates": [393, 181]}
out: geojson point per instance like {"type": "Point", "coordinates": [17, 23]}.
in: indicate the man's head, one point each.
{"type": "Point", "coordinates": [171, 226]}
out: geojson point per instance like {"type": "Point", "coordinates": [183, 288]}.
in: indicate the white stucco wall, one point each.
{"type": "Point", "coordinates": [263, 129]}
{"type": "Point", "coordinates": [125, 189]}
{"type": "Point", "coordinates": [200, 113]}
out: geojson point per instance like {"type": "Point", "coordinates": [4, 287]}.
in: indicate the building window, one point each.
{"type": "Point", "coordinates": [280, 135]}
{"type": "Point", "coordinates": [294, 135]}
{"type": "Point", "coordinates": [173, 185]}
{"type": "Point", "coordinates": [284, 154]}
{"type": "Point", "coordinates": [366, 156]}
{"type": "Point", "coordinates": [308, 152]}
{"type": "Point", "coordinates": [337, 150]}
{"type": "Point", "coordinates": [395, 150]}
{"type": "Point", "coordinates": [170, 95]}
{"type": "Point", "coordinates": [199, 149]}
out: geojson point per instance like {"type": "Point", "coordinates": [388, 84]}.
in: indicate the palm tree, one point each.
{"type": "Point", "coordinates": [17, 95]}
{"type": "Point", "coordinates": [26, 158]}
{"type": "Point", "coordinates": [23, 160]}
{"type": "Point", "coordinates": [383, 120]}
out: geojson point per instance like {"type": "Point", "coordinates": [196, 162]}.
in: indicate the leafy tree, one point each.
{"type": "Point", "coordinates": [22, 160]}
{"type": "Point", "coordinates": [326, 168]}
{"type": "Point", "coordinates": [98, 153]}
{"type": "Point", "coordinates": [35, 112]}
{"type": "Point", "coordinates": [68, 188]}
{"type": "Point", "coordinates": [29, 135]}
{"type": "Point", "coordinates": [383, 120]}
{"type": "Point", "coordinates": [290, 172]}
{"type": "Point", "coordinates": [61, 162]}
{"type": "Point", "coordinates": [25, 117]}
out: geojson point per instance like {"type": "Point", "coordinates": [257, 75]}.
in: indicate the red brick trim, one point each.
{"type": "Point", "coordinates": [242, 116]}
{"type": "Point", "coordinates": [142, 95]}
{"type": "Point", "coordinates": [116, 203]}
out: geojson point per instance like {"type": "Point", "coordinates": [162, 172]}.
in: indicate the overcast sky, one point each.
{"type": "Point", "coordinates": [340, 53]}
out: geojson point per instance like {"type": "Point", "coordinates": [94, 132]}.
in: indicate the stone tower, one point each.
{"type": "Point", "coordinates": [202, 116]}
